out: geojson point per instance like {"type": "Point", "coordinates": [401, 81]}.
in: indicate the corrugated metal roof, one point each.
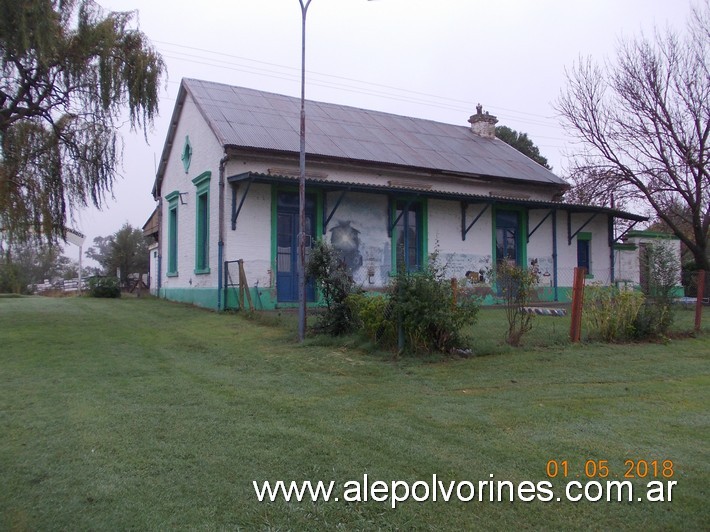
{"type": "Point", "coordinates": [250, 118]}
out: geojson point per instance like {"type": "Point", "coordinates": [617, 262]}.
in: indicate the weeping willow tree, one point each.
{"type": "Point", "coordinates": [68, 72]}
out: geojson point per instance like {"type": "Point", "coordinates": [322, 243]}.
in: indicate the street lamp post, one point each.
{"type": "Point", "coordinates": [302, 185]}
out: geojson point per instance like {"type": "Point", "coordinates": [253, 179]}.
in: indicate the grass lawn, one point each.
{"type": "Point", "coordinates": [142, 414]}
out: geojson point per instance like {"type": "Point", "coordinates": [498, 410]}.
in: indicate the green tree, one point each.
{"type": "Point", "coordinates": [67, 72]}
{"type": "Point", "coordinates": [24, 264]}
{"type": "Point", "coordinates": [522, 143]}
{"type": "Point", "coordinates": [642, 122]}
{"type": "Point", "coordinates": [125, 250]}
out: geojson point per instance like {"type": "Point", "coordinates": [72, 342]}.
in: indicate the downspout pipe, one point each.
{"type": "Point", "coordinates": [555, 279]}
{"type": "Point", "coordinates": [160, 245]}
{"type": "Point", "coordinates": [612, 273]}
{"type": "Point", "coordinates": [220, 241]}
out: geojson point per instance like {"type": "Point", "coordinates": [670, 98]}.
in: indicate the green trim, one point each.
{"type": "Point", "coordinates": [202, 223]}
{"type": "Point", "coordinates": [625, 247]}
{"type": "Point", "coordinates": [202, 180]}
{"type": "Point", "coordinates": [173, 196]}
{"type": "Point", "coordinates": [262, 299]}
{"type": "Point", "coordinates": [201, 297]}
{"type": "Point", "coordinates": [425, 231]}
{"type": "Point", "coordinates": [172, 265]}
{"type": "Point", "coordinates": [274, 221]}
{"type": "Point", "coordinates": [319, 215]}
{"type": "Point", "coordinates": [522, 232]}
{"type": "Point", "coordinates": [586, 236]}
{"type": "Point", "coordinates": [186, 154]}
{"type": "Point", "coordinates": [651, 234]}
{"type": "Point", "coordinates": [422, 231]}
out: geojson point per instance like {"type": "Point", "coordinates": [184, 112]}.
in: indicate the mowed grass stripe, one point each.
{"type": "Point", "coordinates": [145, 414]}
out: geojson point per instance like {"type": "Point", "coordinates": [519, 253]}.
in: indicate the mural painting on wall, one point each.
{"type": "Point", "coordinates": [542, 266]}
{"type": "Point", "coordinates": [346, 239]}
{"type": "Point", "coordinates": [475, 268]}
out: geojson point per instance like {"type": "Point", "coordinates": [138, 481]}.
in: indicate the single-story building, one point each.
{"type": "Point", "coordinates": [386, 190]}
{"type": "Point", "coordinates": [633, 263]}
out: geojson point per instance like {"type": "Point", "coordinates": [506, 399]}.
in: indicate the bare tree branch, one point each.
{"type": "Point", "coordinates": [643, 124]}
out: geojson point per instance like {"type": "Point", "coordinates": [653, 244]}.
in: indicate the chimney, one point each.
{"type": "Point", "coordinates": [483, 124]}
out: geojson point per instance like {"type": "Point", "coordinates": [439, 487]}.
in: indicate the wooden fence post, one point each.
{"type": "Point", "coordinates": [699, 300]}
{"type": "Point", "coordinates": [243, 287]}
{"type": "Point", "coordinates": [575, 329]}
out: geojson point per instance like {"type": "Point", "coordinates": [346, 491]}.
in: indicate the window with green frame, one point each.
{"type": "Point", "coordinates": [508, 235]}
{"type": "Point", "coordinates": [408, 234]}
{"type": "Point", "coordinates": [172, 200]}
{"type": "Point", "coordinates": [584, 249]}
{"type": "Point", "coordinates": [202, 223]}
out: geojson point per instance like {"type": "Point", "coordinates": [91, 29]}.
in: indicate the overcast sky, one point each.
{"type": "Point", "coordinates": [427, 59]}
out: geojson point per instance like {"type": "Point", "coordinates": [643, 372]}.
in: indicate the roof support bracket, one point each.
{"type": "Point", "coordinates": [466, 228]}
{"type": "Point", "coordinates": [570, 234]}
{"type": "Point", "coordinates": [391, 204]}
{"type": "Point", "coordinates": [531, 233]}
{"type": "Point", "coordinates": [327, 219]}
{"type": "Point", "coordinates": [236, 210]}
{"type": "Point", "coordinates": [618, 238]}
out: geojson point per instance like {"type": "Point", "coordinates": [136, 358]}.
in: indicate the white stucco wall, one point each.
{"type": "Point", "coordinates": [206, 154]}
{"type": "Point", "coordinates": [628, 261]}
{"type": "Point", "coordinates": [457, 255]}
{"type": "Point", "coordinates": [153, 267]}
{"type": "Point", "coordinates": [600, 259]}
{"type": "Point", "coordinates": [251, 239]}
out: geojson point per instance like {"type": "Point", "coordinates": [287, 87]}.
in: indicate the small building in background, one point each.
{"type": "Point", "coordinates": [634, 263]}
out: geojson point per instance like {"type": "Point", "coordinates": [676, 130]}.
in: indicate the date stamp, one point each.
{"type": "Point", "coordinates": [631, 469]}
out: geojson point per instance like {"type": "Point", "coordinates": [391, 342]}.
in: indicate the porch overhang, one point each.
{"type": "Point", "coordinates": [465, 198]}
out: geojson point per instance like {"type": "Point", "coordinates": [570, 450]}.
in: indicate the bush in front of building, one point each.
{"type": "Point", "coordinates": [374, 315]}
{"type": "Point", "coordinates": [417, 314]}
{"type": "Point", "coordinates": [423, 301]}
{"type": "Point", "coordinates": [517, 287]}
{"type": "Point", "coordinates": [655, 317]}
{"type": "Point", "coordinates": [108, 287]}
{"type": "Point", "coordinates": [610, 314]}
{"type": "Point", "coordinates": [333, 277]}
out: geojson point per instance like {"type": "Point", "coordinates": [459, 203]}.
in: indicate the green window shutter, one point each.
{"type": "Point", "coordinates": [202, 223]}
{"type": "Point", "coordinates": [172, 200]}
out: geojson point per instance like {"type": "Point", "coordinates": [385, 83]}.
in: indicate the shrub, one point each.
{"type": "Point", "coordinates": [652, 320]}
{"type": "Point", "coordinates": [655, 317]}
{"type": "Point", "coordinates": [333, 277]}
{"type": "Point", "coordinates": [104, 287]}
{"type": "Point", "coordinates": [517, 286]}
{"type": "Point", "coordinates": [422, 302]}
{"type": "Point", "coordinates": [374, 314]}
{"type": "Point", "coordinates": [417, 311]}
{"type": "Point", "coordinates": [610, 314]}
